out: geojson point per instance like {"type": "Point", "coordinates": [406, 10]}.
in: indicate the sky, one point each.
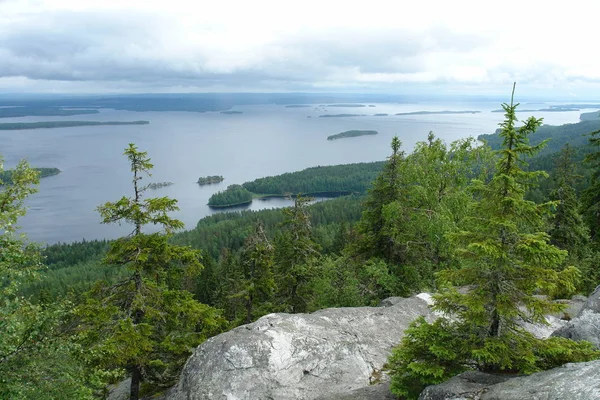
{"type": "Point", "coordinates": [550, 48]}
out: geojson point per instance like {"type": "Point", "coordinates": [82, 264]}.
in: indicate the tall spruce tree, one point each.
{"type": "Point", "coordinates": [506, 259]}
{"type": "Point", "coordinates": [295, 251]}
{"type": "Point", "coordinates": [591, 196]}
{"type": "Point", "coordinates": [145, 324]}
{"type": "Point", "coordinates": [568, 231]}
{"type": "Point", "coordinates": [258, 283]}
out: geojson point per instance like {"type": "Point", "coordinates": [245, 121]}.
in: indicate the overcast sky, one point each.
{"type": "Point", "coordinates": [476, 47]}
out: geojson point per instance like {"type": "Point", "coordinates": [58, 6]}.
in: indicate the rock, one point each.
{"type": "Point", "coordinates": [120, 391]}
{"type": "Point", "coordinates": [467, 385]}
{"type": "Point", "coordinates": [578, 381]}
{"type": "Point", "coordinates": [299, 356]}
{"type": "Point", "coordinates": [592, 303]}
{"type": "Point", "coordinates": [380, 391]}
{"type": "Point", "coordinates": [585, 327]}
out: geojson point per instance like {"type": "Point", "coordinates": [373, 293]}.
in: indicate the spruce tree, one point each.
{"type": "Point", "coordinates": [568, 231]}
{"type": "Point", "coordinates": [144, 324]}
{"type": "Point", "coordinates": [295, 252]}
{"type": "Point", "coordinates": [258, 283]}
{"type": "Point", "coordinates": [505, 261]}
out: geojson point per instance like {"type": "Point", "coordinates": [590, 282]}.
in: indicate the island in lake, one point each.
{"type": "Point", "coordinates": [340, 115]}
{"type": "Point", "coordinates": [159, 185]}
{"type": "Point", "coordinates": [380, 115]}
{"type": "Point", "coordinates": [298, 105]}
{"type": "Point", "coordinates": [208, 180]}
{"type": "Point", "coordinates": [6, 176]}
{"type": "Point", "coordinates": [232, 112]}
{"type": "Point", "coordinates": [9, 126]}
{"type": "Point", "coordinates": [346, 105]}
{"type": "Point", "coordinates": [352, 133]}
{"type": "Point", "coordinates": [438, 112]}
{"type": "Point", "coordinates": [40, 111]}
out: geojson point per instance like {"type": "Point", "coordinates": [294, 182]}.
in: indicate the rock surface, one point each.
{"type": "Point", "coordinates": [299, 356]}
{"type": "Point", "coordinates": [580, 381]}
{"type": "Point", "coordinates": [592, 303]}
{"type": "Point", "coordinates": [585, 327]}
{"type": "Point", "coordinates": [379, 391]}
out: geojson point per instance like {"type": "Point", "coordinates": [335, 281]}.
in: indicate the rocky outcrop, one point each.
{"type": "Point", "coordinates": [593, 302]}
{"type": "Point", "coordinates": [379, 391]}
{"type": "Point", "coordinates": [586, 326]}
{"type": "Point", "coordinates": [579, 381]}
{"type": "Point", "coordinates": [330, 352]}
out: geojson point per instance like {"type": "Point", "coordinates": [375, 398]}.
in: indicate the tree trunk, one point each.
{"type": "Point", "coordinates": [136, 379]}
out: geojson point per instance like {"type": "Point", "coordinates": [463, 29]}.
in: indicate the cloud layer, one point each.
{"type": "Point", "coordinates": [92, 45]}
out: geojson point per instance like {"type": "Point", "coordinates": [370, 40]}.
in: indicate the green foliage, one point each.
{"type": "Point", "coordinates": [34, 355]}
{"type": "Point", "coordinates": [431, 353]}
{"type": "Point", "coordinates": [295, 256]}
{"type": "Point", "coordinates": [323, 179]}
{"type": "Point", "coordinates": [352, 133]}
{"type": "Point", "coordinates": [505, 260]}
{"type": "Point", "coordinates": [144, 324]}
{"type": "Point", "coordinates": [6, 177]}
{"type": "Point", "coordinates": [233, 196]}
{"type": "Point", "coordinates": [416, 201]}
{"type": "Point", "coordinates": [591, 196]}
{"type": "Point", "coordinates": [573, 134]}
{"type": "Point", "coordinates": [207, 180]}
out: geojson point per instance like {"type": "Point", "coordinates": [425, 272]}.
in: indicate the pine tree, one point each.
{"type": "Point", "coordinates": [506, 259]}
{"type": "Point", "coordinates": [145, 324]}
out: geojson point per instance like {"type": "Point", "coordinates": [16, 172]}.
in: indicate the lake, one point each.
{"type": "Point", "coordinates": [263, 140]}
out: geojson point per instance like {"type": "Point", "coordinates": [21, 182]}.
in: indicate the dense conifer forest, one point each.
{"type": "Point", "coordinates": [511, 220]}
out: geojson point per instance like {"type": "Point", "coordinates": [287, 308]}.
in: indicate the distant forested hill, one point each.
{"type": "Point", "coordinates": [574, 134]}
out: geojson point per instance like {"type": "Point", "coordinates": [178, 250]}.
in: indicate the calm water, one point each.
{"type": "Point", "coordinates": [264, 140]}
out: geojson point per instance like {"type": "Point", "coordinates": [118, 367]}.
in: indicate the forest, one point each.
{"type": "Point", "coordinates": [508, 220]}
{"type": "Point", "coordinates": [6, 176]}
{"type": "Point", "coordinates": [325, 181]}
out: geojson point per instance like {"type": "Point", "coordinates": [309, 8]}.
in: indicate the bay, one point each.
{"type": "Point", "coordinates": [263, 140]}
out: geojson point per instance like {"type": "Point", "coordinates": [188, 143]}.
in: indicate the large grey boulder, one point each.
{"type": "Point", "coordinates": [585, 327]}
{"type": "Point", "coordinates": [578, 381]}
{"type": "Point", "coordinates": [592, 303]}
{"type": "Point", "coordinates": [380, 391]}
{"type": "Point", "coordinates": [298, 356]}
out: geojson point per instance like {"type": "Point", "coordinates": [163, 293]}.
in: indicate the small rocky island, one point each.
{"type": "Point", "coordinates": [159, 185]}
{"type": "Point", "coordinates": [352, 133]}
{"type": "Point", "coordinates": [208, 180]}
{"type": "Point", "coordinates": [231, 112]}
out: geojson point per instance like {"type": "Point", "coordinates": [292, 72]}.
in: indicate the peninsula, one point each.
{"type": "Point", "coordinates": [6, 176]}
{"type": "Point", "coordinates": [14, 126]}
{"type": "Point", "coordinates": [340, 115]}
